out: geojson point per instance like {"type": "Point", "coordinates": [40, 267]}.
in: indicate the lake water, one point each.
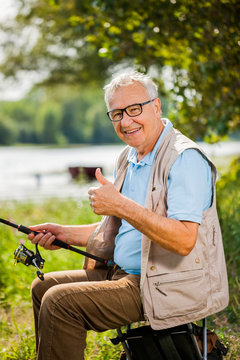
{"type": "Point", "coordinates": [38, 172]}
{"type": "Point", "coordinates": [33, 173]}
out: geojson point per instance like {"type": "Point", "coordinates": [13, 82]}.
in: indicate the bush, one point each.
{"type": "Point", "coordinates": [16, 323]}
{"type": "Point", "coordinates": [8, 130]}
{"type": "Point", "coordinates": [228, 199]}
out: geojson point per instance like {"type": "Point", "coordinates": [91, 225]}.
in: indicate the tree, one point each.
{"type": "Point", "coordinates": [196, 43]}
{"type": "Point", "coordinates": [7, 131]}
{"type": "Point", "coordinates": [22, 114]}
{"type": "Point", "coordinates": [69, 122]}
{"type": "Point", "coordinates": [47, 121]}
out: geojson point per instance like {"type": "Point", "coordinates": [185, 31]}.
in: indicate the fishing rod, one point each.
{"type": "Point", "coordinates": [27, 257]}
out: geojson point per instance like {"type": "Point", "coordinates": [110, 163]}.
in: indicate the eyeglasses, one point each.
{"type": "Point", "coordinates": [130, 110]}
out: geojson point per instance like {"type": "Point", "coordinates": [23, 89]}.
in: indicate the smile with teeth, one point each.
{"type": "Point", "coordinates": [132, 131]}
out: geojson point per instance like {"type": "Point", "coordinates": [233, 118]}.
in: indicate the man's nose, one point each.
{"type": "Point", "coordinates": [126, 120]}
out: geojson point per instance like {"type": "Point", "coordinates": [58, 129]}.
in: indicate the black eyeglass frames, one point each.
{"type": "Point", "coordinates": [130, 110]}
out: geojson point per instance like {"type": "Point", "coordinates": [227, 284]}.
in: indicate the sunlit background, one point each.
{"type": "Point", "coordinates": [55, 58]}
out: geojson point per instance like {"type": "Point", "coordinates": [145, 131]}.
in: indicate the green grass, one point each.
{"type": "Point", "coordinates": [16, 322]}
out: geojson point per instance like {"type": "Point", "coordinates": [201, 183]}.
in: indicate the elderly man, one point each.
{"type": "Point", "coordinates": [160, 228]}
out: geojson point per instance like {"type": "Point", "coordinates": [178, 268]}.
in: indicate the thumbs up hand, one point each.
{"type": "Point", "coordinates": [100, 178]}
{"type": "Point", "coordinates": [104, 199]}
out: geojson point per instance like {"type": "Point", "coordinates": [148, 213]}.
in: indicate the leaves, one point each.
{"type": "Point", "coordinates": [78, 42]}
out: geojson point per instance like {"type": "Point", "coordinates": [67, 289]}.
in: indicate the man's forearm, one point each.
{"type": "Point", "coordinates": [78, 235]}
{"type": "Point", "coordinates": [173, 235]}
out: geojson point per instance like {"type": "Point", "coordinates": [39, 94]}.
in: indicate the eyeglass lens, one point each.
{"type": "Point", "coordinates": [131, 110]}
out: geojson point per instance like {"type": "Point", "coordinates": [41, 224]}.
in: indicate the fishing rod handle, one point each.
{"type": "Point", "coordinates": [60, 244]}
{"type": "Point", "coordinates": [26, 230]}
{"type": "Point", "coordinates": [56, 242]}
{"type": "Point", "coordinates": [64, 245]}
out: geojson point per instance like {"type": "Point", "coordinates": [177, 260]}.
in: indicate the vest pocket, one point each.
{"type": "Point", "coordinates": [177, 294]}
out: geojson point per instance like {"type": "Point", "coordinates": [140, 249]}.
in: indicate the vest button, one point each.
{"type": "Point", "coordinates": [197, 260]}
{"type": "Point", "coordinates": [152, 268]}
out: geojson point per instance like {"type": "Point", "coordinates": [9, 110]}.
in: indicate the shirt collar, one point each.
{"type": "Point", "coordinates": [149, 158]}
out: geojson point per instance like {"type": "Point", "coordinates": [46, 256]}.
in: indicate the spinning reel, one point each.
{"type": "Point", "coordinates": [27, 257]}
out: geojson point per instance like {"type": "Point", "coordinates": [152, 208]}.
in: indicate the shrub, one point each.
{"type": "Point", "coordinates": [228, 199]}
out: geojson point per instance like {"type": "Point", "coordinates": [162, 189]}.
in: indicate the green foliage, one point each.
{"type": "Point", "coordinates": [8, 132]}
{"type": "Point", "coordinates": [233, 310]}
{"type": "Point", "coordinates": [100, 347]}
{"type": "Point", "coordinates": [16, 324]}
{"type": "Point", "coordinates": [23, 348]}
{"type": "Point", "coordinates": [48, 120]}
{"type": "Point", "coordinates": [21, 115]}
{"type": "Point", "coordinates": [228, 194]}
{"type": "Point", "coordinates": [17, 287]}
{"type": "Point", "coordinates": [82, 42]}
{"type": "Point", "coordinates": [57, 118]}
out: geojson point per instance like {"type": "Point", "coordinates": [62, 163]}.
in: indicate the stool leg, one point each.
{"type": "Point", "coordinates": [124, 345]}
{"type": "Point", "coordinates": [194, 340]}
{"type": "Point", "coordinates": [204, 339]}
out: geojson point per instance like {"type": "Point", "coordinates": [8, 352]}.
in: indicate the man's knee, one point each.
{"type": "Point", "coordinates": [48, 300]}
{"type": "Point", "coordinates": [58, 303]}
{"type": "Point", "coordinates": [39, 287]}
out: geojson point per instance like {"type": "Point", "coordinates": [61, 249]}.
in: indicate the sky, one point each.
{"type": "Point", "coordinates": [8, 9]}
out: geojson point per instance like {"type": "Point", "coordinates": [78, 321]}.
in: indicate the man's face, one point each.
{"type": "Point", "coordinates": [142, 131]}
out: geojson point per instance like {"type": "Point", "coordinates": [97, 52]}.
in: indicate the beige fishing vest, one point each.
{"type": "Point", "coordinates": [175, 289]}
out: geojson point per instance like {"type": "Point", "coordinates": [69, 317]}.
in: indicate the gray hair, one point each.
{"type": "Point", "coordinates": [128, 78]}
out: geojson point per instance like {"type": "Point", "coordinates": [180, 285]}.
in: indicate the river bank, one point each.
{"type": "Point", "coordinates": [35, 172]}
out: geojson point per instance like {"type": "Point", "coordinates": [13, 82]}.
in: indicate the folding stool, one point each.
{"type": "Point", "coordinates": [125, 340]}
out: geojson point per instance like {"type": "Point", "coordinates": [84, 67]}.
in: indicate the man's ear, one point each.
{"type": "Point", "coordinates": [157, 106]}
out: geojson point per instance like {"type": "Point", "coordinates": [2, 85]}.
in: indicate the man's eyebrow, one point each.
{"type": "Point", "coordinates": [125, 106]}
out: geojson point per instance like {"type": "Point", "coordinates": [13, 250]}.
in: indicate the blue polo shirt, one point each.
{"type": "Point", "coordinates": [188, 196]}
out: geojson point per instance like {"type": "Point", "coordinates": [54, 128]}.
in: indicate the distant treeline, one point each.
{"type": "Point", "coordinates": [62, 116]}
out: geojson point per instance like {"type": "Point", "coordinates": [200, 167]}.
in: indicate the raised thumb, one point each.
{"type": "Point", "coordinates": [100, 178]}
